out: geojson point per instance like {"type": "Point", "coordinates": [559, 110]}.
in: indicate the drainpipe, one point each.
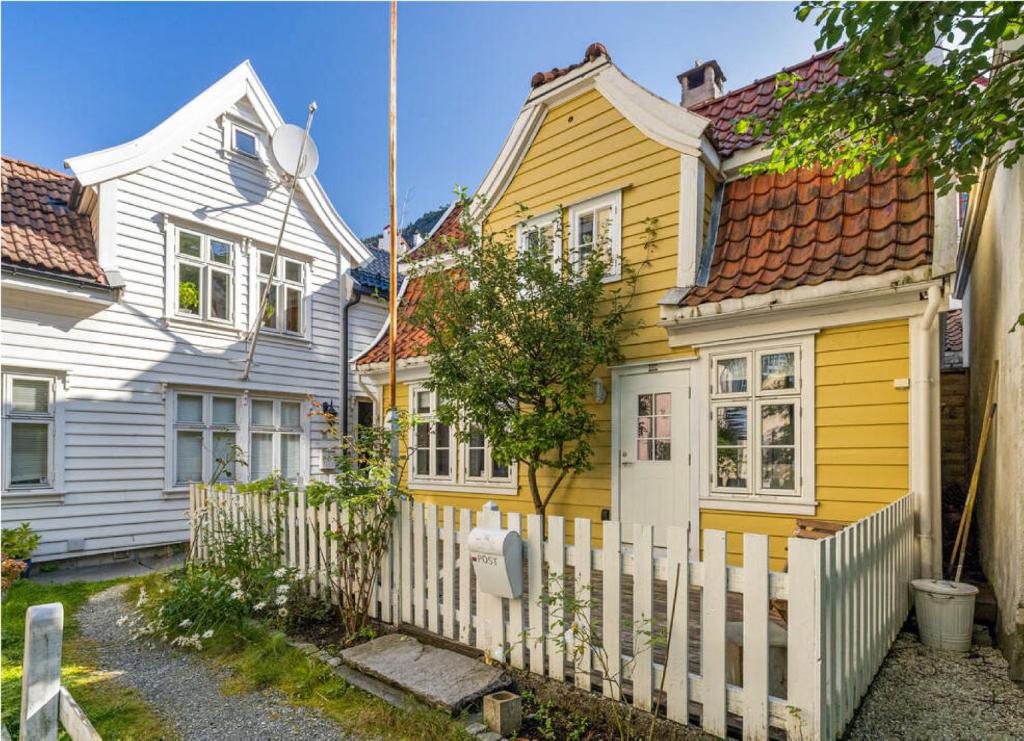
{"type": "Point", "coordinates": [922, 380]}
{"type": "Point", "coordinates": [353, 299]}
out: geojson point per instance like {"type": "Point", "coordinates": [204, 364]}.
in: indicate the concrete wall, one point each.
{"type": "Point", "coordinates": [994, 301]}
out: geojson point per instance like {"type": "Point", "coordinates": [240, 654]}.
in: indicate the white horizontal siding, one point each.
{"type": "Point", "coordinates": [120, 360]}
{"type": "Point", "coordinates": [365, 320]}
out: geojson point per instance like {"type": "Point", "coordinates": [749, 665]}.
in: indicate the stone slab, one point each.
{"type": "Point", "coordinates": [438, 677]}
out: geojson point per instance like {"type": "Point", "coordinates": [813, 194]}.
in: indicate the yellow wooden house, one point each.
{"type": "Point", "coordinates": [788, 362]}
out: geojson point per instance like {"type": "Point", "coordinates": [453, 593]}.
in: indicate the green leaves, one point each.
{"type": "Point", "coordinates": [905, 97]}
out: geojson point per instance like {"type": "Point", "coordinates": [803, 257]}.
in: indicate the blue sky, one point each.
{"type": "Point", "coordinates": [80, 77]}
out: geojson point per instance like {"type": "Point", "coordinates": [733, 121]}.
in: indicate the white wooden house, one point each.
{"type": "Point", "coordinates": [128, 290]}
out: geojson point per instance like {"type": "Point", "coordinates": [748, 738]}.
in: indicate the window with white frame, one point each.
{"type": "Point", "coordinates": [541, 232]}
{"type": "Point", "coordinates": [761, 423]}
{"type": "Point", "coordinates": [286, 301]}
{"type": "Point", "coordinates": [480, 464]}
{"type": "Point", "coordinates": [204, 438]}
{"type": "Point", "coordinates": [30, 431]}
{"type": "Point", "coordinates": [275, 435]}
{"type": "Point", "coordinates": [432, 458]}
{"type": "Point", "coordinates": [594, 226]}
{"type": "Point", "coordinates": [244, 141]}
{"type": "Point", "coordinates": [204, 276]}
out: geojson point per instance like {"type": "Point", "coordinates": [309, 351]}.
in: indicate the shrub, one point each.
{"type": "Point", "coordinates": [20, 542]}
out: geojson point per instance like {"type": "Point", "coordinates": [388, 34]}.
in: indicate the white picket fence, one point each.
{"type": "Point", "coordinates": [840, 603]}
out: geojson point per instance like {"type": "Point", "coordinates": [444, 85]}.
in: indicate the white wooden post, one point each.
{"type": "Point", "coordinates": [515, 606]}
{"type": "Point", "coordinates": [712, 635]}
{"type": "Point", "coordinates": [489, 612]}
{"type": "Point", "coordinates": [448, 564]}
{"type": "Point", "coordinates": [806, 635]}
{"type": "Point", "coordinates": [40, 684]}
{"type": "Point", "coordinates": [535, 572]}
{"type": "Point", "coordinates": [755, 636]}
{"type": "Point", "coordinates": [677, 674]}
{"type": "Point", "coordinates": [643, 615]}
{"type": "Point", "coordinates": [417, 568]}
{"type": "Point", "coordinates": [611, 610]}
{"type": "Point", "coordinates": [582, 587]}
{"type": "Point", "coordinates": [556, 573]}
{"type": "Point", "coordinates": [465, 578]}
{"type": "Point", "coordinates": [405, 556]}
{"type": "Point", "coordinates": [432, 573]}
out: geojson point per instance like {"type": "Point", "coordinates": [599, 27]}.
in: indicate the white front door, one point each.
{"type": "Point", "coordinates": [654, 451]}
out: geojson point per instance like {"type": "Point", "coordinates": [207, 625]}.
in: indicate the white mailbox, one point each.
{"type": "Point", "coordinates": [497, 557]}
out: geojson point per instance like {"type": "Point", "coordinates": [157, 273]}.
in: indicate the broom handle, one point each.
{"type": "Point", "coordinates": [972, 493]}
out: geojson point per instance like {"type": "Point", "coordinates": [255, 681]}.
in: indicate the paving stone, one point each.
{"type": "Point", "coordinates": [475, 729]}
{"type": "Point", "coordinates": [439, 677]}
{"type": "Point", "coordinates": [490, 736]}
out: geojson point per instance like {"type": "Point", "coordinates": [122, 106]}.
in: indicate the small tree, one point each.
{"type": "Point", "coordinates": [515, 339]}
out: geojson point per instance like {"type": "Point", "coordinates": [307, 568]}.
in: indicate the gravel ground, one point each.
{"type": "Point", "coordinates": [921, 693]}
{"type": "Point", "coordinates": [186, 691]}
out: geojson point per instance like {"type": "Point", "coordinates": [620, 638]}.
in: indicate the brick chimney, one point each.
{"type": "Point", "coordinates": [702, 82]}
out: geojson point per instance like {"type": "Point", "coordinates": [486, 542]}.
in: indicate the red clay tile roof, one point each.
{"type": "Point", "coordinates": [758, 99]}
{"type": "Point", "coordinates": [412, 341]}
{"type": "Point", "coordinates": [802, 228]}
{"type": "Point", "coordinates": [593, 51]}
{"type": "Point", "coordinates": [40, 230]}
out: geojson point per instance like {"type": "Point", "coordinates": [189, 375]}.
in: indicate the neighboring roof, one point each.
{"type": "Point", "coordinates": [802, 228]}
{"type": "Point", "coordinates": [157, 144]}
{"type": "Point", "coordinates": [758, 100]}
{"type": "Point", "coordinates": [412, 341]}
{"type": "Point", "coordinates": [447, 232]}
{"type": "Point", "coordinates": [592, 52]}
{"type": "Point", "coordinates": [373, 276]}
{"type": "Point", "coordinates": [40, 230]}
{"type": "Point", "coordinates": [953, 337]}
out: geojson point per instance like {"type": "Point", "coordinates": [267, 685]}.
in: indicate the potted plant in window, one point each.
{"type": "Point", "coordinates": [19, 543]}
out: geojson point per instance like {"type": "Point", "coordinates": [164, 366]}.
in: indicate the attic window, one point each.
{"type": "Point", "coordinates": [244, 142]}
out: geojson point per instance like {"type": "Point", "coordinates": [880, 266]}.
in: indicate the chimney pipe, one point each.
{"type": "Point", "coordinates": [700, 83]}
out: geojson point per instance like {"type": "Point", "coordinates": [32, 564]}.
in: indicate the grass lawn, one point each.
{"type": "Point", "coordinates": [116, 711]}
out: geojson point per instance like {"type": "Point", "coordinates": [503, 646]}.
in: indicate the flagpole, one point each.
{"type": "Point", "coordinates": [393, 257]}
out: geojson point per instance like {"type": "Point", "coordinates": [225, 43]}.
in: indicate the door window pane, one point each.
{"type": "Point", "coordinates": [220, 295]}
{"type": "Point", "coordinates": [30, 453]}
{"type": "Point", "coordinates": [263, 412]}
{"type": "Point", "coordinates": [190, 408]}
{"type": "Point", "coordinates": [224, 456]}
{"type": "Point", "coordinates": [223, 410]}
{"type": "Point", "coordinates": [290, 457]}
{"type": "Point", "coordinates": [30, 395]}
{"type": "Point", "coordinates": [189, 457]}
{"type": "Point", "coordinates": [778, 371]}
{"type": "Point", "coordinates": [189, 287]}
{"type": "Point", "coordinates": [732, 376]}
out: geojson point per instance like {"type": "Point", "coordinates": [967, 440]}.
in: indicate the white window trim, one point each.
{"type": "Point", "coordinates": [242, 438]}
{"type": "Point", "coordinates": [52, 491]}
{"type": "Point", "coordinates": [229, 124]}
{"type": "Point", "coordinates": [255, 295]}
{"type": "Point", "coordinates": [540, 222]}
{"type": "Point", "coordinates": [457, 481]}
{"type": "Point", "coordinates": [414, 475]}
{"type": "Point", "coordinates": [207, 427]}
{"type": "Point", "coordinates": [276, 431]}
{"type": "Point", "coordinates": [171, 314]}
{"type": "Point", "coordinates": [613, 200]}
{"type": "Point", "coordinates": [754, 499]}
{"type": "Point", "coordinates": [488, 479]}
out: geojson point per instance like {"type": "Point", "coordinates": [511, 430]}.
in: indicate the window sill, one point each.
{"type": "Point", "coordinates": [195, 325]}
{"type": "Point", "coordinates": [285, 339]}
{"type": "Point", "coordinates": [31, 497]}
{"type": "Point", "coordinates": [771, 505]}
{"type": "Point", "coordinates": [175, 494]}
{"type": "Point", "coordinates": [253, 162]}
{"type": "Point", "coordinates": [509, 490]}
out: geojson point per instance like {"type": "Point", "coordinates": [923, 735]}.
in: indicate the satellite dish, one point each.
{"type": "Point", "coordinates": [285, 144]}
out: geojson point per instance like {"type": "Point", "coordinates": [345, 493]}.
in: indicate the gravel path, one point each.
{"type": "Point", "coordinates": [921, 693]}
{"type": "Point", "coordinates": [187, 691]}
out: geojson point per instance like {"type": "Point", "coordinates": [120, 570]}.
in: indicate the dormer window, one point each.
{"type": "Point", "coordinates": [244, 142]}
